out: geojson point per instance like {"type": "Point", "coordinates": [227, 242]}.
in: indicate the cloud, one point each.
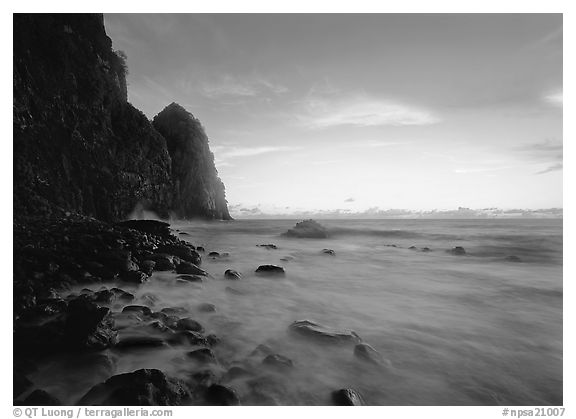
{"type": "Point", "coordinates": [555, 99]}
{"type": "Point", "coordinates": [362, 111]}
{"type": "Point", "coordinates": [553, 168]}
{"type": "Point", "coordinates": [224, 153]}
{"type": "Point", "coordinates": [229, 86]}
{"type": "Point", "coordinates": [349, 200]}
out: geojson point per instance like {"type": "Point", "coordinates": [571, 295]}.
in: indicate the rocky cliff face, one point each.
{"type": "Point", "coordinates": [197, 188]}
{"type": "Point", "coordinates": [79, 146]}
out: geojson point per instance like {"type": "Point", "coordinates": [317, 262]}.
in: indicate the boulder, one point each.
{"type": "Point", "coordinates": [347, 397]}
{"type": "Point", "coordinates": [147, 267]}
{"type": "Point", "coordinates": [41, 398]}
{"type": "Point", "coordinates": [191, 278]}
{"type": "Point", "coordinates": [308, 229]}
{"type": "Point", "coordinates": [134, 277]}
{"type": "Point", "coordinates": [308, 329]}
{"type": "Point", "coordinates": [204, 355]}
{"type": "Point", "coordinates": [122, 295]}
{"type": "Point", "coordinates": [268, 246]}
{"type": "Point", "coordinates": [271, 269]}
{"type": "Point", "coordinates": [190, 268]}
{"type": "Point", "coordinates": [181, 250]}
{"type": "Point", "coordinates": [329, 252]}
{"type": "Point", "coordinates": [143, 310]}
{"type": "Point", "coordinates": [135, 342]}
{"type": "Point", "coordinates": [163, 262]}
{"type": "Point", "coordinates": [458, 251]}
{"type": "Point", "coordinates": [368, 354]}
{"type": "Point", "coordinates": [157, 228]}
{"type": "Point", "coordinates": [189, 324]}
{"type": "Point", "coordinates": [207, 308]}
{"type": "Point", "coordinates": [232, 274]}
{"type": "Point", "coordinates": [88, 325]}
{"type": "Point", "coordinates": [218, 395]}
{"type": "Point", "coordinates": [278, 362]}
{"type": "Point", "coordinates": [144, 387]}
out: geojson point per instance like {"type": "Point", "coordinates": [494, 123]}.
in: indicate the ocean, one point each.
{"type": "Point", "coordinates": [475, 329]}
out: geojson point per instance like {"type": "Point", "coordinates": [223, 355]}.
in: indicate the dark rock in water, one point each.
{"type": "Point", "coordinates": [313, 330]}
{"type": "Point", "coordinates": [88, 325]}
{"type": "Point", "coordinates": [104, 296]}
{"type": "Point", "coordinates": [266, 391]}
{"type": "Point", "coordinates": [207, 308]}
{"type": "Point", "coordinates": [173, 311]}
{"type": "Point", "coordinates": [236, 372]}
{"type": "Point", "coordinates": [367, 353]}
{"type": "Point", "coordinates": [232, 274]}
{"type": "Point", "coordinates": [41, 398]}
{"type": "Point", "coordinates": [197, 189]}
{"type": "Point", "coordinates": [189, 324]}
{"type": "Point", "coordinates": [204, 355]}
{"type": "Point", "coordinates": [425, 249]}
{"type": "Point", "coordinates": [262, 349]}
{"type": "Point", "coordinates": [183, 233]}
{"type": "Point", "coordinates": [190, 268]}
{"type": "Point", "coordinates": [163, 262]}
{"type": "Point", "coordinates": [270, 269]}
{"type": "Point", "coordinates": [278, 362]}
{"type": "Point", "coordinates": [134, 277]}
{"type": "Point", "coordinates": [218, 395]}
{"type": "Point", "coordinates": [189, 337]}
{"type": "Point", "coordinates": [135, 342]}
{"type": "Point", "coordinates": [182, 251]}
{"type": "Point", "coordinates": [200, 249]}
{"type": "Point", "coordinates": [268, 246]}
{"type": "Point", "coordinates": [347, 397]}
{"type": "Point", "coordinates": [122, 295]}
{"type": "Point", "coordinates": [21, 383]}
{"type": "Point", "coordinates": [214, 254]}
{"type": "Point", "coordinates": [212, 339]}
{"type": "Point", "coordinates": [329, 252]}
{"type": "Point", "coordinates": [147, 267]}
{"type": "Point", "coordinates": [137, 309]}
{"type": "Point", "coordinates": [191, 278]}
{"type": "Point", "coordinates": [458, 250]}
{"type": "Point", "coordinates": [157, 228]}
{"type": "Point", "coordinates": [413, 248]}
{"type": "Point", "coordinates": [512, 258]}
{"type": "Point", "coordinates": [205, 378]}
{"type": "Point", "coordinates": [308, 229]}
{"type": "Point", "coordinates": [144, 387]}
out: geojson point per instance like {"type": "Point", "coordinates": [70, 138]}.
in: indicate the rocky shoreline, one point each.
{"type": "Point", "coordinates": [55, 257]}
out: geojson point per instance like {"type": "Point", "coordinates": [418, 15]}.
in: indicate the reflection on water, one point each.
{"type": "Point", "coordinates": [455, 330]}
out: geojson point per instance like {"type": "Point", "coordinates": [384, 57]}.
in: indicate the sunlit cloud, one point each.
{"type": "Point", "coordinates": [554, 168]}
{"type": "Point", "coordinates": [230, 86]}
{"type": "Point", "coordinates": [555, 99]}
{"type": "Point", "coordinates": [223, 154]}
{"type": "Point", "coordinates": [363, 112]}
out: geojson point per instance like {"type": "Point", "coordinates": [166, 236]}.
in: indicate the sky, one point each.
{"type": "Point", "coordinates": [351, 113]}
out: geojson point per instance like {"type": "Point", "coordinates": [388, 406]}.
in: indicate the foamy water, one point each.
{"type": "Point", "coordinates": [455, 330]}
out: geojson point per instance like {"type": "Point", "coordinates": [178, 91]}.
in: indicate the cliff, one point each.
{"type": "Point", "coordinates": [197, 188]}
{"type": "Point", "coordinates": [79, 146]}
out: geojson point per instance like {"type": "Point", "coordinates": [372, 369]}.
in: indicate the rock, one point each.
{"type": "Point", "coordinates": [367, 353]}
{"type": "Point", "coordinates": [144, 387]}
{"type": "Point", "coordinates": [163, 262]}
{"type": "Point", "coordinates": [104, 296]}
{"type": "Point", "coordinates": [181, 250]}
{"type": "Point", "coordinates": [134, 277]}
{"type": "Point", "coordinates": [205, 378]}
{"type": "Point", "coordinates": [183, 233]}
{"type": "Point", "coordinates": [207, 308]}
{"type": "Point", "coordinates": [329, 252]}
{"type": "Point", "coordinates": [191, 278]}
{"type": "Point", "coordinates": [137, 309]}
{"type": "Point", "coordinates": [411, 248]}
{"type": "Point", "coordinates": [308, 229]}
{"type": "Point", "coordinates": [214, 254]}
{"type": "Point", "coordinates": [147, 267]}
{"type": "Point", "coordinates": [236, 372]}
{"type": "Point", "coordinates": [134, 342]}
{"type": "Point", "coordinates": [21, 383]}
{"type": "Point", "coordinates": [122, 295]}
{"type": "Point", "coordinates": [271, 269]}
{"type": "Point", "coordinates": [190, 268]}
{"type": "Point", "coordinates": [173, 311]}
{"type": "Point", "coordinates": [425, 249]}
{"type": "Point", "coordinates": [204, 355]}
{"type": "Point", "coordinates": [212, 339]}
{"type": "Point", "coordinates": [268, 246]}
{"type": "Point", "coordinates": [41, 398]}
{"type": "Point", "coordinates": [157, 228]}
{"type": "Point", "coordinates": [88, 325]}
{"type": "Point", "coordinates": [458, 250]}
{"type": "Point", "coordinates": [347, 397]}
{"type": "Point", "coordinates": [218, 395]}
{"type": "Point", "coordinates": [512, 259]}
{"type": "Point", "coordinates": [189, 337]}
{"type": "Point", "coordinates": [232, 274]}
{"type": "Point", "coordinates": [189, 324]}
{"type": "Point", "coordinates": [262, 349]}
{"type": "Point", "coordinates": [313, 330]}
{"type": "Point", "coordinates": [278, 362]}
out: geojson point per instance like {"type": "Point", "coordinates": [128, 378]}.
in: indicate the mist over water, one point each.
{"type": "Point", "coordinates": [475, 329]}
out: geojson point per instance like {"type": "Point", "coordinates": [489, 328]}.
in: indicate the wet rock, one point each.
{"type": "Point", "coordinates": [278, 362]}
{"type": "Point", "coordinates": [157, 228]}
{"type": "Point", "coordinates": [347, 397]}
{"type": "Point", "coordinates": [41, 398]}
{"type": "Point", "coordinates": [144, 387]}
{"type": "Point", "coordinates": [190, 268]}
{"type": "Point", "coordinates": [135, 342]}
{"type": "Point", "coordinates": [204, 355]}
{"type": "Point", "coordinates": [425, 249]}
{"type": "Point", "coordinates": [262, 349]}
{"type": "Point", "coordinates": [191, 278]}
{"type": "Point", "coordinates": [512, 258]}
{"type": "Point", "coordinates": [147, 267]}
{"type": "Point", "coordinates": [329, 252]}
{"type": "Point", "coordinates": [214, 254]}
{"type": "Point", "coordinates": [21, 383]}
{"type": "Point", "coordinates": [367, 353]}
{"type": "Point", "coordinates": [266, 391]}
{"type": "Point", "coordinates": [104, 296]}
{"type": "Point", "coordinates": [268, 246]}
{"type": "Point", "coordinates": [163, 262]}
{"type": "Point", "coordinates": [173, 311]}
{"type": "Point", "coordinates": [122, 295]}
{"type": "Point", "coordinates": [189, 337]}
{"type": "Point", "coordinates": [308, 229]}
{"type": "Point", "coordinates": [207, 308]}
{"type": "Point", "coordinates": [218, 395]}
{"type": "Point", "coordinates": [88, 325]}
{"type": "Point", "coordinates": [212, 339]}
{"type": "Point", "coordinates": [235, 373]}
{"type": "Point", "coordinates": [413, 248]}
{"type": "Point", "coordinates": [183, 233]}
{"type": "Point", "coordinates": [200, 249]}
{"type": "Point", "coordinates": [149, 299]}
{"type": "Point", "coordinates": [189, 324]}
{"type": "Point", "coordinates": [134, 277]}
{"type": "Point", "coordinates": [143, 310]}
{"type": "Point", "coordinates": [205, 378]}
{"type": "Point", "coordinates": [271, 269]}
{"type": "Point", "coordinates": [181, 250]}
{"type": "Point", "coordinates": [232, 274]}
{"type": "Point", "coordinates": [321, 333]}
{"type": "Point", "coordinates": [458, 251]}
